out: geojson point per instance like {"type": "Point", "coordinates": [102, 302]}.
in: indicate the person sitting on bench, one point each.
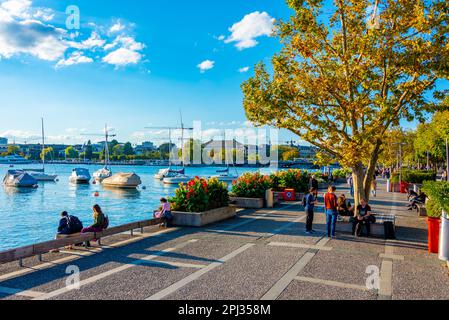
{"type": "Point", "coordinates": [164, 213]}
{"type": "Point", "coordinates": [344, 207]}
{"type": "Point", "coordinates": [363, 218]}
{"type": "Point", "coordinates": [101, 222]}
{"type": "Point", "coordinates": [69, 224]}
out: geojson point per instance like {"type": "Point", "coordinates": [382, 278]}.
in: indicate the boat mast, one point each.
{"type": "Point", "coordinates": [106, 157]}
{"type": "Point", "coordinates": [43, 144]}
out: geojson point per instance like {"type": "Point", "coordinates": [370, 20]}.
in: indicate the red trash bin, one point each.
{"type": "Point", "coordinates": [289, 194]}
{"type": "Point", "coordinates": [434, 234]}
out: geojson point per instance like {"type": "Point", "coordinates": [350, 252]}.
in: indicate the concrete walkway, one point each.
{"type": "Point", "coordinates": [259, 255]}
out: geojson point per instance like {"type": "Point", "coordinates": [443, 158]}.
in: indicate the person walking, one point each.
{"type": "Point", "coordinates": [374, 187]}
{"type": "Point", "coordinates": [331, 205]}
{"type": "Point", "coordinates": [310, 203]}
{"type": "Point", "coordinates": [351, 185]}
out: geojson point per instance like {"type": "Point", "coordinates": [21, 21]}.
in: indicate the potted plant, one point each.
{"type": "Point", "coordinates": [201, 202]}
{"type": "Point", "coordinates": [249, 190]}
{"type": "Point", "coordinates": [437, 208]}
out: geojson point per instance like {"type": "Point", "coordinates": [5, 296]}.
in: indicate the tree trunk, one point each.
{"type": "Point", "coordinates": [358, 176]}
{"type": "Point", "coordinates": [363, 179]}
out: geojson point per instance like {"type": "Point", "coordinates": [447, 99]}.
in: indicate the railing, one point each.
{"type": "Point", "coordinates": [45, 247]}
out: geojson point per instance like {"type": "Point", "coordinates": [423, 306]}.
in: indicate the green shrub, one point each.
{"type": "Point", "coordinates": [438, 193]}
{"type": "Point", "coordinates": [200, 195]}
{"type": "Point", "coordinates": [417, 177]}
{"type": "Point", "coordinates": [251, 185]}
{"type": "Point", "coordinates": [290, 179]}
{"type": "Point", "coordinates": [341, 173]}
{"type": "Point", "coordinates": [433, 209]}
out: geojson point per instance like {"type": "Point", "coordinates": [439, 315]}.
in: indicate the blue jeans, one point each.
{"type": "Point", "coordinates": [331, 219]}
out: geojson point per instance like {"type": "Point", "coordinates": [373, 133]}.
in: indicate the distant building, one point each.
{"type": "Point", "coordinates": [308, 152]}
{"type": "Point", "coordinates": [3, 141]}
{"type": "Point", "coordinates": [146, 146]}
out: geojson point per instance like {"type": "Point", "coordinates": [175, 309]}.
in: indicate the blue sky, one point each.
{"type": "Point", "coordinates": [131, 64]}
{"type": "Point", "coordinates": [160, 74]}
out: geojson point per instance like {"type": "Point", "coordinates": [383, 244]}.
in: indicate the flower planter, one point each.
{"type": "Point", "coordinates": [201, 219]}
{"type": "Point", "coordinates": [434, 234]}
{"type": "Point", "coordinates": [248, 203]}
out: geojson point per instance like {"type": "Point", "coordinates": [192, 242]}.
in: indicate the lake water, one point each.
{"type": "Point", "coordinates": [29, 216]}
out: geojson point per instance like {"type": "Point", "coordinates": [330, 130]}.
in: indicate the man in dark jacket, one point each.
{"type": "Point", "coordinates": [69, 224]}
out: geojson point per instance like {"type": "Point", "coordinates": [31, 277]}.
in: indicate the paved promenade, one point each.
{"type": "Point", "coordinates": [261, 254]}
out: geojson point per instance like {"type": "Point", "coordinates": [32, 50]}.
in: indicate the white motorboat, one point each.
{"type": "Point", "coordinates": [19, 179]}
{"type": "Point", "coordinates": [14, 159]}
{"type": "Point", "coordinates": [168, 173]}
{"type": "Point", "coordinates": [40, 174]}
{"type": "Point", "coordinates": [102, 174]}
{"type": "Point", "coordinates": [176, 180]}
{"type": "Point", "coordinates": [123, 181]}
{"type": "Point", "coordinates": [105, 172]}
{"type": "Point", "coordinates": [225, 176]}
{"type": "Point", "coordinates": [80, 176]}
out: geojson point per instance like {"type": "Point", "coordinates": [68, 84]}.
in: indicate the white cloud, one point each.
{"type": "Point", "coordinates": [252, 26]}
{"type": "Point", "coordinates": [221, 38]}
{"type": "Point", "coordinates": [76, 58]}
{"type": "Point", "coordinates": [123, 57]}
{"type": "Point", "coordinates": [31, 37]}
{"type": "Point", "coordinates": [25, 30]}
{"type": "Point", "coordinates": [94, 41]}
{"type": "Point", "coordinates": [244, 69]}
{"type": "Point", "coordinates": [206, 65]}
{"type": "Point", "coordinates": [117, 27]}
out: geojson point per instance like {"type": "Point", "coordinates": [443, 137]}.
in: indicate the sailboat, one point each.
{"type": "Point", "coordinates": [176, 177]}
{"type": "Point", "coordinates": [225, 176]}
{"type": "Point", "coordinates": [40, 175]}
{"type": "Point", "coordinates": [105, 172]}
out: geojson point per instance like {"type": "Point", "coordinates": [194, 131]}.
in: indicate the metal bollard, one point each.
{"type": "Point", "coordinates": [444, 238]}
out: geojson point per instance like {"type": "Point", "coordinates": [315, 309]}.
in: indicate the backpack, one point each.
{"type": "Point", "coordinates": [304, 201]}
{"type": "Point", "coordinates": [105, 223]}
{"type": "Point", "coordinates": [75, 225]}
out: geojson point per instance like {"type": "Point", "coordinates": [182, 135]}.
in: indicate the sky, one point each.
{"type": "Point", "coordinates": [132, 65]}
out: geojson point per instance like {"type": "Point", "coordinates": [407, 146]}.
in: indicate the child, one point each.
{"type": "Point", "coordinates": [165, 213]}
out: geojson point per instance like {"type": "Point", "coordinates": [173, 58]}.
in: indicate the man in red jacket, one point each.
{"type": "Point", "coordinates": [331, 203]}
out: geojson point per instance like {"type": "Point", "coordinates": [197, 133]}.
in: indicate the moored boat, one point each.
{"type": "Point", "coordinates": [102, 174]}
{"type": "Point", "coordinates": [123, 181]}
{"type": "Point", "coordinates": [177, 179]}
{"type": "Point", "coordinates": [225, 176]}
{"type": "Point", "coordinates": [80, 176]}
{"type": "Point", "coordinates": [39, 174]}
{"type": "Point", "coordinates": [14, 159]}
{"type": "Point", "coordinates": [19, 179]}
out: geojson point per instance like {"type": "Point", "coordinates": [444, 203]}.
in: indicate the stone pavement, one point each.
{"type": "Point", "coordinates": [261, 254]}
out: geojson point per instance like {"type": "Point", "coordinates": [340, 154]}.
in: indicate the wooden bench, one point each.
{"type": "Point", "coordinates": [69, 240]}
{"type": "Point", "coordinates": [344, 225]}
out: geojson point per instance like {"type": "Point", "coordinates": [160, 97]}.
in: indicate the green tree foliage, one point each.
{"type": "Point", "coordinates": [128, 149]}
{"type": "Point", "coordinates": [71, 153]}
{"type": "Point", "coordinates": [343, 78]}
{"type": "Point", "coordinates": [431, 137]}
{"type": "Point", "coordinates": [88, 151]}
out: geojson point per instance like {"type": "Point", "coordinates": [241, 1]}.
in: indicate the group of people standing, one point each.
{"type": "Point", "coordinates": [334, 207]}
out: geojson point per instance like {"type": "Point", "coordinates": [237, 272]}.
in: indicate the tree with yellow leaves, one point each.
{"type": "Point", "coordinates": [350, 71]}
